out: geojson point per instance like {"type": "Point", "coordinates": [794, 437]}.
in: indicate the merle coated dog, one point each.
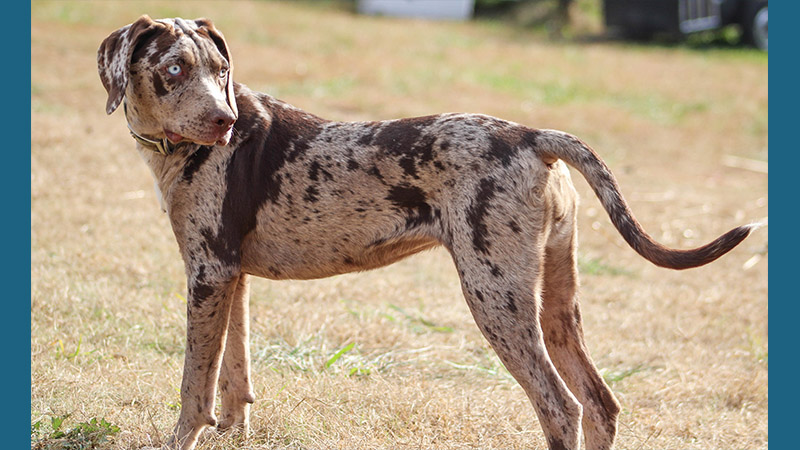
{"type": "Point", "coordinates": [254, 186]}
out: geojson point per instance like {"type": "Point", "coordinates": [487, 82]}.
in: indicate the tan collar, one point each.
{"type": "Point", "coordinates": [163, 146]}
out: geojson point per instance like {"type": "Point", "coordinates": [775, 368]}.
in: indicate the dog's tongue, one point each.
{"type": "Point", "coordinates": [173, 137]}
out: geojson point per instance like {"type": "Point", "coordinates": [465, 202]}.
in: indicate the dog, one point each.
{"type": "Point", "coordinates": [256, 187]}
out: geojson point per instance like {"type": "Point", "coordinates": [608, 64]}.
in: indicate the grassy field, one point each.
{"type": "Point", "coordinates": [684, 129]}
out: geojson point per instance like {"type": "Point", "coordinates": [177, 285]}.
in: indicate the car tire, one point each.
{"type": "Point", "coordinates": [754, 24]}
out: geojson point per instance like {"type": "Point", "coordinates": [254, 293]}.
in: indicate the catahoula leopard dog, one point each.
{"type": "Point", "coordinates": [256, 187]}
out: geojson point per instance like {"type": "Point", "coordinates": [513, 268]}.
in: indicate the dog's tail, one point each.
{"type": "Point", "coordinates": [553, 145]}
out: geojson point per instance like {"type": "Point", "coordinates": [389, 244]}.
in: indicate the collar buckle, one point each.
{"type": "Point", "coordinates": [163, 146]}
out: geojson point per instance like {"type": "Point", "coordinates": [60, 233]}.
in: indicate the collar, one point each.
{"type": "Point", "coordinates": [163, 146]}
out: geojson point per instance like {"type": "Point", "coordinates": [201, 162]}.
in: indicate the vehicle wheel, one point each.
{"type": "Point", "coordinates": [754, 24]}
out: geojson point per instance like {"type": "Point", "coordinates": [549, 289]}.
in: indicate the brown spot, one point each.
{"type": "Point", "coordinates": [556, 444]}
{"type": "Point", "coordinates": [477, 213]}
{"type": "Point", "coordinates": [265, 145]}
{"type": "Point", "coordinates": [195, 161]}
{"type": "Point", "coordinates": [158, 85]}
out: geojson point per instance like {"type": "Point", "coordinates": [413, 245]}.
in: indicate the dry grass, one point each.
{"type": "Point", "coordinates": [686, 353]}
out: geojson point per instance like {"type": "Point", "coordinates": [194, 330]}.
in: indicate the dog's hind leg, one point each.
{"type": "Point", "coordinates": [563, 335]}
{"type": "Point", "coordinates": [236, 388]}
{"type": "Point", "coordinates": [506, 314]}
{"type": "Point", "coordinates": [207, 312]}
{"type": "Point", "coordinates": [499, 276]}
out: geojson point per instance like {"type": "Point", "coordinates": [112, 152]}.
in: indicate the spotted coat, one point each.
{"type": "Point", "coordinates": [257, 187]}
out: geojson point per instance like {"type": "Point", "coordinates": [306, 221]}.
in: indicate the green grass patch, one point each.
{"type": "Point", "coordinates": [487, 364]}
{"type": "Point", "coordinates": [82, 436]}
{"type": "Point", "coordinates": [334, 87]}
{"type": "Point", "coordinates": [615, 377]}
{"type": "Point", "coordinates": [594, 266]}
{"type": "Point", "coordinates": [560, 92]}
{"type": "Point", "coordinates": [418, 324]}
{"type": "Point", "coordinates": [339, 354]}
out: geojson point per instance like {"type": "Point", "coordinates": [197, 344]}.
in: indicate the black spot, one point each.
{"type": "Point", "coordinates": [315, 169]}
{"type": "Point", "coordinates": [479, 294]}
{"type": "Point", "coordinates": [352, 164]}
{"type": "Point", "coordinates": [195, 161]}
{"type": "Point", "coordinates": [489, 331]}
{"type": "Point", "coordinates": [311, 195]}
{"type": "Point", "coordinates": [409, 166]}
{"type": "Point", "coordinates": [398, 136]}
{"type": "Point", "coordinates": [413, 200]}
{"type": "Point", "coordinates": [511, 302]}
{"type": "Point", "coordinates": [375, 173]}
{"type": "Point", "coordinates": [500, 150]}
{"type": "Point", "coordinates": [503, 343]}
{"type": "Point", "coordinates": [477, 213]}
{"type": "Point", "coordinates": [514, 226]}
{"type": "Point", "coordinates": [199, 292]}
{"type": "Point", "coordinates": [201, 273]}
{"type": "Point", "coordinates": [504, 144]}
{"type": "Point", "coordinates": [366, 139]}
{"type": "Point", "coordinates": [405, 139]}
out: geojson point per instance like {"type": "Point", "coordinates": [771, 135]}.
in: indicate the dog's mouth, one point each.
{"type": "Point", "coordinates": [222, 139]}
{"type": "Point", "coordinates": [173, 137]}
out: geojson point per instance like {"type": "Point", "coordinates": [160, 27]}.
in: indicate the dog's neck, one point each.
{"type": "Point", "coordinates": [162, 146]}
{"type": "Point", "coordinates": [165, 171]}
{"type": "Point", "coordinates": [164, 158]}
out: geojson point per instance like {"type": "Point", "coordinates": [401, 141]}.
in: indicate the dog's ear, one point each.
{"type": "Point", "coordinates": [222, 46]}
{"type": "Point", "coordinates": [114, 58]}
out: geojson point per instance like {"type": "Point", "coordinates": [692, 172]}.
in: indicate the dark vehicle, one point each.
{"type": "Point", "coordinates": [645, 18]}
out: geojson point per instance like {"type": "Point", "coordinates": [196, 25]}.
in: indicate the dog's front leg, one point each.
{"type": "Point", "coordinates": [207, 313]}
{"type": "Point", "coordinates": [235, 386]}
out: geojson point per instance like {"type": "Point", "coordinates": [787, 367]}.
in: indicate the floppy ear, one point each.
{"type": "Point", "coordinates": [114, 58]}
{"type": "Point", "coordinates": [222, 46]}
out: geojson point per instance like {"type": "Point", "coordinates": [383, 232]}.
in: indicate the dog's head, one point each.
{"type": "Point", "coordinates": [177, 78]}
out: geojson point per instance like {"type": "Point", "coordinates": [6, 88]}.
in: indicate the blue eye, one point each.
{"type": "Point", "coordinates": [174, 70]}
{"type": "Point", "coordinates": [223, 73]}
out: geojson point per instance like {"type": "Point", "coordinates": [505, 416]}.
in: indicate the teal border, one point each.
{"type": "Point", "coordinates": [784, 110]}
{"type": "Point", "coordinates": [17, 224]}
{"type": "Point", "coordinates": [784, 79]}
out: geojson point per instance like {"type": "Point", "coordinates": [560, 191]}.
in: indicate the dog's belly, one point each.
{"type": "Point", "coordinates": [282, 259]}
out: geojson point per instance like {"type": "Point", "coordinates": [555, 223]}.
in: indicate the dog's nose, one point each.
{"type": "Point", "coordinates": [222, 120]}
